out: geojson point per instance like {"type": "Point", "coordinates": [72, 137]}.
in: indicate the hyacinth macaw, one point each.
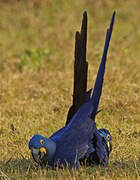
{"type": "Point", "coordinates": [69, 145]}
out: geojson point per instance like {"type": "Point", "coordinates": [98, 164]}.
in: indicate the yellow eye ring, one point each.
{"type": "Point", "coordinates": [41, 141]}
{"type": "Point", "coordinates": [108, 137]}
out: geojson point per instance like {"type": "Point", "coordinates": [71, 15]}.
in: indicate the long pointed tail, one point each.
{"type": "Point", "coordinates": [100, 76]}
{"type": "Point", "coordinates": [80, 70]}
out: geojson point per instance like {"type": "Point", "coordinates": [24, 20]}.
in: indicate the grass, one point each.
{"type": "Point", "coordinates": [36, 76]}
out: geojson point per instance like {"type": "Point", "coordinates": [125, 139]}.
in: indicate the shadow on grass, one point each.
{"type": "Point", "coordinates": [24, 168]}
{"type": "Point", "coordinates": [15, 168]}
{"type": "Point", "coordinates": [119, 169]}
{"type": "Point", "coordinates": [126, 168]}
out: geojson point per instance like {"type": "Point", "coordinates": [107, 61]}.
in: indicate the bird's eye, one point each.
{"type": "Point", "coordinates": [41, 141]}
{"type": "Point", "coordinates": [108, 137]}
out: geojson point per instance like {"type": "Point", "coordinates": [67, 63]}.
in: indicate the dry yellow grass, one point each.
{"type": "Point", "coordinates": [36, 88]}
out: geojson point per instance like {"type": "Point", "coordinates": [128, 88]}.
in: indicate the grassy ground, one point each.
{"type": "Point", "coordinates": [36, 76]}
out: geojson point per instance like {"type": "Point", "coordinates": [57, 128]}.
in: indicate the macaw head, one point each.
{"type": "Point", "coordinates": [42, 149]}
{"type": "Point", "coordinates": [107, 138]}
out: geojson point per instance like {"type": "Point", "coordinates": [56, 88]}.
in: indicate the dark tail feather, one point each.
{"type": "Point", "coordinates": [80, 70]}
{"type": "Point", "coordinates": [100, 76]}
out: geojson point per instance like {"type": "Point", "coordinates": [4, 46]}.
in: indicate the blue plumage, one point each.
{"type": "Point", "coordinates": [74, 141]}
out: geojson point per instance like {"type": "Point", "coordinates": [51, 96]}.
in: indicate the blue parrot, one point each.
{"type": "Point", "coordinates": [102, 139]}
{"type": "Point", "coordinates": [70, 144]}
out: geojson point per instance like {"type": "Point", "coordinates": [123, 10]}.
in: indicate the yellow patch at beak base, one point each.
{"type": "Point", "coordinates": [42, 149]}
{"type": "Point", "coordinates": [108, 145]}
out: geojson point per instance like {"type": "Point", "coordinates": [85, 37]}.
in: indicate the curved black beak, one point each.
{"type": "Point", "coordinates": [38, 154]}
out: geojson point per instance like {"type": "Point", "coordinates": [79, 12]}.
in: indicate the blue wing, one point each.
{"type": "Point", "coordinates": [100, 76]}
{"type": "Point", "coordinates": [72, 142]}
